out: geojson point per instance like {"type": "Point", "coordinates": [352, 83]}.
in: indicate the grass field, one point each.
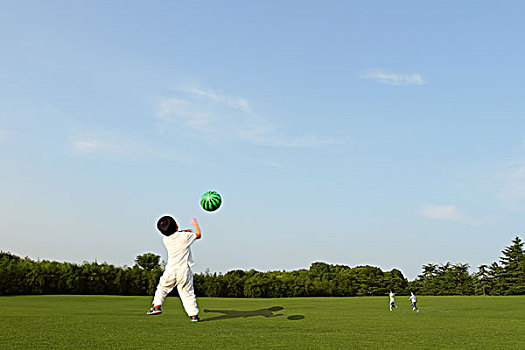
{"type": "Point", "coordinates": [113, 322]}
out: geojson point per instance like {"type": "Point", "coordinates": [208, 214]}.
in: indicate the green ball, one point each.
{"type": "Point", "coordinates": [211, 201]}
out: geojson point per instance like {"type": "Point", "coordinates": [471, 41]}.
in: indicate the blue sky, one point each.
{"type": "Point", "coordinates": [381, 133]}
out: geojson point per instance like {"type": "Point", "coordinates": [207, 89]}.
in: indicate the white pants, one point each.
{"type": "Point", "coordinates": [183, 279]}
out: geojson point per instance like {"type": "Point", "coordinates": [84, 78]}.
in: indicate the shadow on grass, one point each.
{"type": "Point", "coordinates": [226, 314]}
{"type": "Point", "coordinates": [295, 317]}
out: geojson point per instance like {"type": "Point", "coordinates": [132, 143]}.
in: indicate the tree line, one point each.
{"type": "Point", "coordinates": [22, 276]}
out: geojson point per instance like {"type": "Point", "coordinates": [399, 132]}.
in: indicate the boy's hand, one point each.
{"type": "Point", "coordinates": [197, 228]}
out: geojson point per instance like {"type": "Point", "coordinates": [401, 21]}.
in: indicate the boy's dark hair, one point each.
{"type": "Point", "coordinates": [167, 225]}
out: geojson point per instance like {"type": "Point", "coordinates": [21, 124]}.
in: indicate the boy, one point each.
{"type": "Point", "coordinates": [413, 299]}
{"type": "Point", "coordinates": [178, 269]}
{"type": "Point", "coordinates": [392, 296]}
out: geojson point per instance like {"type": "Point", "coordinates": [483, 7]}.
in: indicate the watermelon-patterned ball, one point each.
{"type": "Point", "coordinates": [211, 201]}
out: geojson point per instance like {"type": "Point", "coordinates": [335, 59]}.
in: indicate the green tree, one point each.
{"type": "Point", "coordinates": [463, 281]}
{"type": "Point", "coordinates": [394, 280]}
{"type": "Point", "coordinates": [512, 271]}
{"type": "Point", "coordinates": [148, 261]}
{"type": "Point", "coordinates": [495, 273]}
{"type": "Point", "coordinates": [447, 279]}
{"type": "Point", "coordinates": [482, 284]}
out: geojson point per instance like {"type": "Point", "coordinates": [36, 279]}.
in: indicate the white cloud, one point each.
{"type": "Point", "coordinates": [446, 213]}
{"type": "Point", "coordinates": [92, 143]}
{"type": "Point", "coordinates": [234, 102]}
{"type": "Point", "coordinates": [300, 142]}
{"type": "Point", "coordinates": [442, 212]}
{"type": "Point", "coordinates": [274, 164]}
{"type": "Point", "coordinates": [386, 77]}
{"type": "Point", "coordinates": [223, 116]}
{"type": "Point", "coordinates": [518, 173]}
{"type": "Point", "coordinates": [512, 193]}
{"type": "Point", "coordinates": [175, 109]}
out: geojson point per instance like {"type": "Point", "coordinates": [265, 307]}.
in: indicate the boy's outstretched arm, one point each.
{"type": "Point", "coordinates": [197, 228]}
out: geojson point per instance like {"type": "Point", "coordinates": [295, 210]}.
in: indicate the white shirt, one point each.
{"type": "Point", "coordinates": [392, 295]}
{"type": "Point", "coordinates": [413, 298]}
{"type": "Point", "coordinates": [178, 247]}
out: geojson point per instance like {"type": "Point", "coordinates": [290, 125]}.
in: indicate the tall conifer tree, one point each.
{"type": "Point", "coordinates": [512, 270]}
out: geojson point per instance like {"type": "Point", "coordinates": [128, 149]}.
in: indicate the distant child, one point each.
{"type": "Point", "coordinates": [413, 299]}
{"type": "Point", "coordinates": [392, 297]}
{"type": "Point", "coordinates": [178, 269]}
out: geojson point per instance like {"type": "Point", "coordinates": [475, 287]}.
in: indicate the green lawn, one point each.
{"type": "Point", "coordinates": [113, 322]}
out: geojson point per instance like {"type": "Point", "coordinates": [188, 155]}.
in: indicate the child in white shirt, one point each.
{"type": "Point", "coordinates": [413, 299]}
{"type": "Point", "coordinates": [392, 297]}
{"type": "Point", "coordinates": [178, 269]}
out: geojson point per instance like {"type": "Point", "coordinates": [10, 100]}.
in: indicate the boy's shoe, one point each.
{"type": "Point", "coordinates": [195, 318]}
{"type": "Point", "coordinates": [155, 310]}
